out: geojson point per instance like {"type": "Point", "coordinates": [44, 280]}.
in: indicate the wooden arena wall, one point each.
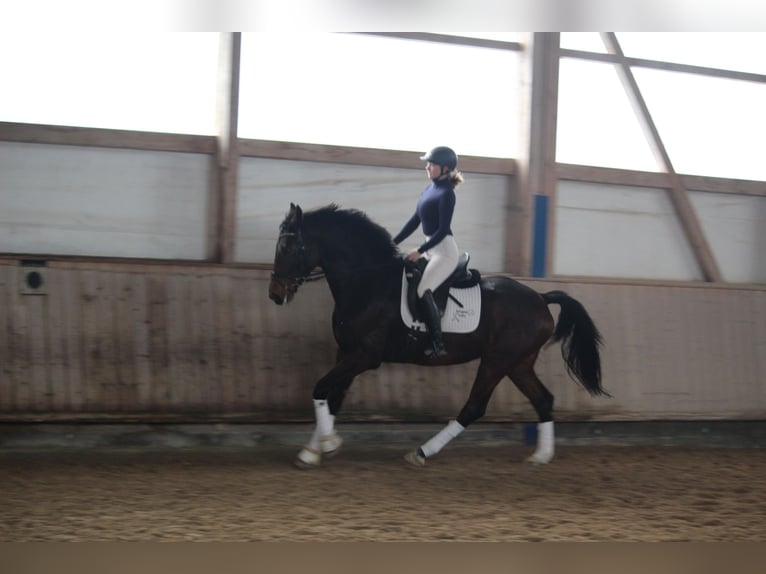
{"type": "Point", "coordinates": [161, 342]}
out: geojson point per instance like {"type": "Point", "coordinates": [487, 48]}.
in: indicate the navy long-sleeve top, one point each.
{"type": "Point", "coordinates": [434, 212]}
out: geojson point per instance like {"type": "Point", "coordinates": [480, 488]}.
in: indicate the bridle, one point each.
{"type": "Point", "coordinates": [291, 284]}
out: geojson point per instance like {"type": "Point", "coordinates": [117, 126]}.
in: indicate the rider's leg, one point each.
{"type": "Point", "coordinates": [434, 322]}
{"type": "Point", "coordinates": [442, 260]}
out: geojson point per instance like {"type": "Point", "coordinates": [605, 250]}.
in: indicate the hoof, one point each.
{"type": "Point", "coordinates": [537, 460]}
{"type": "Point", "coordinates": [415, 459]}
{"type": "Point", "coordinates": [330, 445]}
{"type": "Point", "coordinates": [308, 459]}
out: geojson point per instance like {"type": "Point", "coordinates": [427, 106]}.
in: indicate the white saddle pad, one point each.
{"type": "Point", "coordinates": [456, 319]}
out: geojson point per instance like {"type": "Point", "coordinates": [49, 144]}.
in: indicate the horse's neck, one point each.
{"type": "Point", "coordinates": [356, 280]}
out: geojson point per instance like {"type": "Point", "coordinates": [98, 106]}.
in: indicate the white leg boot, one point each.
{"type": "Point", "coordinates": [545, 444]}
{"type": "Point", "coordinates": [323, 441]}
{"type": "Point", "coordinates": [434, 444]}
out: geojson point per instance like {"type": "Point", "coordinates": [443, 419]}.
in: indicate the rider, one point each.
{"type": "Point", "coordinates": [434, 211]}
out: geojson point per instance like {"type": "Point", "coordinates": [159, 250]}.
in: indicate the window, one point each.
{"type": "Point", "coordinates": [596, 122]}
{"type": "Point", "coordinates": [162, 82]}
{"type": "Point", "coordinates": [378, 92]}
{"type": "Point", "coordinates": [709, 125]}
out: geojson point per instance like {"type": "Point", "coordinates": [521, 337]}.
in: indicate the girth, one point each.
{"type": "Point", "coordinates": [461, 278]}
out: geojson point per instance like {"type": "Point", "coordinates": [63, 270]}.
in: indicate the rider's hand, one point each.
{"type": "Point", "coordinates": [413, 255]}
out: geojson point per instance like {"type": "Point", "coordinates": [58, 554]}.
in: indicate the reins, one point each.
{"type": "Point", "coordinates": [319, 275]}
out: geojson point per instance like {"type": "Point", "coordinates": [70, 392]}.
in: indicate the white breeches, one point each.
{"type": "Point", "coordinates": [442, 260]}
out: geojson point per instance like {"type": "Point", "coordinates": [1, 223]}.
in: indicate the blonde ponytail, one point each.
{"type": "Point", "coordinates": [455, 178]}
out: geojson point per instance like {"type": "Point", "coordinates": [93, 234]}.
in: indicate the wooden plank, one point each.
{"type": "Point", "coordinates": [519, 227]}
{"type": "Point", "coordinates": [23, 397]}
{"type": "Point", "coordinates": [9, 341]}
{"type": "Point", "coordinates": [550, 90]}
{"type": "Point", "coordinates": [450, 39]}
{"type": "Point", "coordinates": [724, 185]}
{"type": "Point", "coordinates": [667, 66]}
{"type": "Point", "coordinates": [253, 298]}
{"type": "Point", "coordinates": [227, 154]}
{"type": "Point", "coordinates": [204, 296]}
{"type": "Point", "coordinates": [178, 341]}
{"type": "Point", "coordinates": [58, 359]}
{"type": "Point", "coordinates": [679, 196]}
{"type": "Point", "coordinates": [241, 341]}
{"type": "Point", "coordinates": [365, 156]}
{"type": "Point", "coordinates": [63, 135]}
{"type": "Point", "coordinates": [539, 175]}
{"type": "Point", "coordinates": [68, 135]}
{"type": "Point", "coordinates": [224, 321]}
{"type": "Point", "coordinates": [673, 349]}
{"type": "Point", "coordinates": [72, 315]}
{"type": "Point", "coordinates": [658, 180]}
{"type": "Point", "coordinates": [89, 344]}
{"type": "Point", "coordinates": [38, 341]}
{"type": "Point", "coordinates": [6, 381]}
{"type": "Point", "coordinates": [262, 321]}
{"type": "Point", "coordinates": [125, 348]}
{"type": "Point", "coordinates": [6, 354]}
{"type": "Point", "coordinates": [157, 320]}
{"type": "Point", "coordinates": [140, 327]}
{"type": "Point", "coordinates": [109, 387]}
{"type": "Point", "coordinates": [193, 370]}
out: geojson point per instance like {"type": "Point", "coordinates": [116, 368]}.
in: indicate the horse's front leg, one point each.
{"type": "Point", "coordinates": [328, 397]}
{"type": "Point", "coordinates": [323, 442]}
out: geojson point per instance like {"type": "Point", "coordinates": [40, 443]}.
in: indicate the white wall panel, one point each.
{"type": "Point", "coordinates": [70, 200]}
{"type": "Point", "coordinates": [387, 195]}
{"type": "Point", "coordinates": [735, 226]}
{"type": "Point", "coordinates": [618, 231]}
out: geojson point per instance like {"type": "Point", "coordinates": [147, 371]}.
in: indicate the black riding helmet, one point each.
{"type": "Point", "coordinates": [442, 155]}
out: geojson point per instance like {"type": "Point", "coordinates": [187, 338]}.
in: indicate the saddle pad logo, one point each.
{"type": "Point", "coordinates": [456, 319]}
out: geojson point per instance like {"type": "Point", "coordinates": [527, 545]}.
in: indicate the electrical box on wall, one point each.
{"type": "Point", "coordinates": [33, 279]}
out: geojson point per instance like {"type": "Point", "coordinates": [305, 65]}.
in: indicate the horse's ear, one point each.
{"type": "Point", "coordinates": [295, 215]}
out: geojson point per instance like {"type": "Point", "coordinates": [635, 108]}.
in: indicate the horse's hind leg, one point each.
{"type": "Point", "coordinates": [524, 377]}
{"type": "Point", "coordinates": [487, 378]}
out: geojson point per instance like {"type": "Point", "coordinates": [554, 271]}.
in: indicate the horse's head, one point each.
{"type": "Point", "coordinates": [293, 260]}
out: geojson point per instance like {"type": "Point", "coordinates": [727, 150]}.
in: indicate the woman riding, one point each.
{"type": "Point", "coordinates": [434, 212]}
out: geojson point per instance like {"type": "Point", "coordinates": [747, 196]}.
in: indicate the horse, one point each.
{"type": "Point", "coordinates": [363, 269]}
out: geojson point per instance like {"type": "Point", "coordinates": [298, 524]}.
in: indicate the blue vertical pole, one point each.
{"type": "Point", "coordinates": [540, 236]}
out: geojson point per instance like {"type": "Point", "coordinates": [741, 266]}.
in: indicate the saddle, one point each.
{"type": "Point", "coordinates": [461, 278]}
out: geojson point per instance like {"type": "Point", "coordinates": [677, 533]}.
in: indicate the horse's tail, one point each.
{"type": "Point", "coordinates": [580, 341]}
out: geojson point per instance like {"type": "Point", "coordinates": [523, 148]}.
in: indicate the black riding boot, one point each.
{"type": "Point", "coordinates": [434, 322]}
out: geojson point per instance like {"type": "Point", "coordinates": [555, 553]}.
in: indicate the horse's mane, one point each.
{"type": "Point", "coordinates": [351, 225]}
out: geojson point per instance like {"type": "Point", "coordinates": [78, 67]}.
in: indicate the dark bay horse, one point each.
{"type": "Point", "coordinates": [364, 268]}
